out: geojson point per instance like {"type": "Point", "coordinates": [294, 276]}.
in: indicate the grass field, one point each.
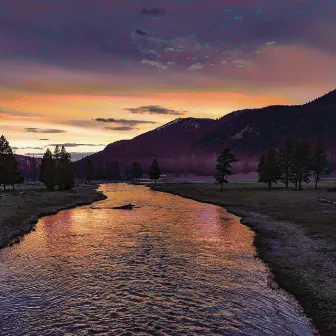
{"type": "Point", "coordinates": [20, 210]}
{"type": "Point", "coordinates": [295, 236]}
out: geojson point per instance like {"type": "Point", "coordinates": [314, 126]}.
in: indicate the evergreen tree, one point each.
{"type": "Point", "coordinates": [48, 170]}
{"type": "Point", "coordinates": [127, 173]}
{"type": "Point", "coordinates": [136, 171]}
{"type": "Point", "coordinates": [286, 161]}
{"type": "Point", "coordinates": [302, 164]}
{"type": "Point", "coordinates": [8, 164]}
{"type": "Point", "coordinates": [57, 163]}
{"type": "Point", "coordinates": [269, 170]}
{"type": "Point", "coordinates": [223, 166]}
{"type": "Point", "coordinates": [66, 172]}
{"type": "Point", "coordinates": [90, 170]}
{"type": "Point", "coordinates": [154, 171]}
{"type": "Point", "coordinates": [262, 168]}
{"type": "Point", "coordinates": [114, 171]}
{"type": "Point", "coordinates": [320, 164]}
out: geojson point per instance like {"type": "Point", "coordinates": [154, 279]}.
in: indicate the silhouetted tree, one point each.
{"type": "Point", "coordinates": [90, 170]}
{"type": "Point", "coordinates": [127, 173]}
{"type": "Point", "coordinates": [65, 170]}
{"type": "Point", "coordinates": [47, 170]}
{"type": "Point", "coordinates": [320, 163]}
{"type": "Point", "coordinates": [136, 171]}
{"type": "Point", "coordinates": [57, 163]}
{"type": "Point", "coordinates": [286, 161]}
{"type": "Point", "coordinates": [113, 172]}
{"type": "Point", "coordinates": [223, 167]}
{"type": "Point", "coordinates": [269, 170]}
{"type": "Point", "coordinates": [302, 164]}
{"type": "Point", "coordinates": [154, 172]}
{"type": "Point", "coordinates": [9, 168]}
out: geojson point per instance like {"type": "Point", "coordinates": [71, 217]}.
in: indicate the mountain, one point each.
{"type": "Point", "coordinates": [173, 144]}
{"type": "Point", "coordinates": [190, 145]}
{"type": "Point", "coordinates": [326, 100]}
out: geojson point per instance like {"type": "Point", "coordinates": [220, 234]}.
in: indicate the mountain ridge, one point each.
{"type": "Point", "coordinates": [190, 145]}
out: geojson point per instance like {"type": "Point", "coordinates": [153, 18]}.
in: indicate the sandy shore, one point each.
{"type": "Point", "coordinates": [20, 210]}
{"type": "Point", "coordinates": [295, 237]}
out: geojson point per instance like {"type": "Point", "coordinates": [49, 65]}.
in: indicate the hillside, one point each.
{"type": "Point", "coordinates": [190, 145]}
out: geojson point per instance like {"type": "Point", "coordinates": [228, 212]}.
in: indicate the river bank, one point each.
{"type": "Point", "coordinates": [295, 237]}
{"type": "Point", "coordinates": [20, 210]}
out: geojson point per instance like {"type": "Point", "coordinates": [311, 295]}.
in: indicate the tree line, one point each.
{"type": "Point", "coordinates": [112, 171]}
{"type": "Point", "coordinates": [295, 163]}
{"type": "Point", "coordinates": [57, 170]}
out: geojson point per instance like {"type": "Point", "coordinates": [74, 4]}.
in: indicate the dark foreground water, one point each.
{"type": "Point", "coordinates": [171, 267]}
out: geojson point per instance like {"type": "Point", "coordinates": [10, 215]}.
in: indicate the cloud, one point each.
{"type": "Point", "coordinates": [154, 109]}
{"type": "Point", "coordinates": [124, 122]}
{"type": "Point", "coordinates": [43, 130]}
{"type": "Point", "coordinates": [120, 128]}
{"type": "Point", "coordinates": [13, 113]}
{"type": "Point", "coordinates": [37, 148]}
{"type": "Point", "coordinates": [141, 32]}
{"type": "Point", "coordinates": [77, 145]}
{"type": "Point", "coordinates": [196, 66]}
{"type": "Point", "coordinates": [154, 63]}
{"type": "Point", "coordinates": [155, 11]}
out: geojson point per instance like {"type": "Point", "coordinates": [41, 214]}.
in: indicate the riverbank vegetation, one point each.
{"type": "Point", "coordinates": [56, 169]}
{"type": "Point", "coordinates": [9, 168]}
{"type": "Point", "coordinates": [295, 236]}
{"type": "Point", "coordinates": [295, 163]}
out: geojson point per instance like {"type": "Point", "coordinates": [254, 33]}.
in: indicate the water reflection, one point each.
{"type": "Point", "coordinates": [171, 267]}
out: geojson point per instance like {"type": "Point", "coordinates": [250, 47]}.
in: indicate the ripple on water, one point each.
{"type": "Point", "coordinates": [171, 267]}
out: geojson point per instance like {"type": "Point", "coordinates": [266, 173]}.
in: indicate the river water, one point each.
{"type": "Point", "coordinates": [171, 267]}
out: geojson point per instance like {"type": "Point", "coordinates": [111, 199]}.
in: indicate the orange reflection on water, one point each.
{"type": "Point", "coordinates": [172, 265]}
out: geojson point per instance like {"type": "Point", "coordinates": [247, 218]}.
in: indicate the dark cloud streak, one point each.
{"type": "Point", "coordinates": [125, 122]}
{"type": "Point", "coordinates": [154, 11]}
{"type": "Point", "coordinates": [120, 128]}
{"type": "Point", "coordinates": [43, 130]}
{"type": "Point", "coordinates": [76, 145]}
{"type": "Point", "coordinates": [154, 109]}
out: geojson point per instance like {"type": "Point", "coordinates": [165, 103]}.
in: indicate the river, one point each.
{"type": "Point", "coordinates": [171, 267]}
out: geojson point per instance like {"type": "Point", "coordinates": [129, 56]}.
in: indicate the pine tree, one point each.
{"type": "Point", "coordinates": [320, 163]}
{"type": "Point", "coordinates": [9, 168]}
{"type": "Point", "coordinates": [57, 163]}
{"type": "Point", "coordinates": [66, 172]}
{"type": "Point", "coordinates": [286, 161]}
{"type": "Point", "coordinates": [48, 170]}
{"type": "Point", "coordinates": [223, 166]}
{"type": "Point", "coordinates": [302, 164]}
{"type": "Point", "coordinates": [127, 173]}
{"type": "Point", "coordinates": [269, 170]}
{"type": "Point", "coordinates": [90, 170]}
{"type": "Point", "coordinates": [154, 171]}
{"type": "Point", "coordinates": [136, 171]}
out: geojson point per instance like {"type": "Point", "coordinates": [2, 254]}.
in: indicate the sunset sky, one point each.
{"type": "Point", "coordinates": [86, 73]}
